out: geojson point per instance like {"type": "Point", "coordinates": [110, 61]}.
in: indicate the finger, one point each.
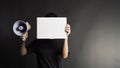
{"type": "Point", "coordinates": [67, 31]}
{"type": "Point", "coordinates": [67, 28]}
{"type": "Point", "coordinates": [25, 34]}
{"type": "Point", "coordinates": [67, 25]}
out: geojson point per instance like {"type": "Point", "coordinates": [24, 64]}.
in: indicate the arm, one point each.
{"type": "Point", "coordinates": [65, 49]}
{"type": "Point", "coordinates": [65, 46]}
{"type": "Point", "coordinates": [23, 50]}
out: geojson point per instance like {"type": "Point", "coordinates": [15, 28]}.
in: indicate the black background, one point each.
{"type": "Point", "coordinates": [93, 43]}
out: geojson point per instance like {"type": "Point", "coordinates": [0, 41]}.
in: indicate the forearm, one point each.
{"type": "Point", "coordinates": [23, 50]}
{"type": "Point", "coordinates": [65, 49]}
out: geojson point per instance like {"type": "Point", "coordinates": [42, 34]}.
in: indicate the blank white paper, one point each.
{"type": "Point", "coordinates": [51, 27]}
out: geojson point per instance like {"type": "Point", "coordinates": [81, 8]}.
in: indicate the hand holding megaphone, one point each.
{"type": "Point", "coordinates": [21, 29]}
{"type": "Point", "coordinates": [24, 37]}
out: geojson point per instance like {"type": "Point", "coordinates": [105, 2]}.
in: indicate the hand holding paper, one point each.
{"type": "Point", "coordinates": [67, 29]}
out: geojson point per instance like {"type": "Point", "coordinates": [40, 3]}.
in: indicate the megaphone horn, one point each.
{"type": "Point", "coordinates": [20, 27]}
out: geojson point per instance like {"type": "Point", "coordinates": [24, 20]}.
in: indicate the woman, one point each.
{"type": "Point", "coordinates": [49, 52]}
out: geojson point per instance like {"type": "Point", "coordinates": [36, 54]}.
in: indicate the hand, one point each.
{"type": "Point", "coordinates": [25, 36]}
{"type": "Point", "coordinates": [67, 29]}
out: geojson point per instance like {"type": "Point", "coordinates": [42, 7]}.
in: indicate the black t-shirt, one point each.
{"type": "Point", "coordinates": [48, 51]}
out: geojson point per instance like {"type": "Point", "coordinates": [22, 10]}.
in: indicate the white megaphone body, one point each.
{"type": "Point", "coordinates": [20, 27]}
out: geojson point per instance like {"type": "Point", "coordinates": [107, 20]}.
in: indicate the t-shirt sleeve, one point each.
{"type": "Point", "coordinates": [31, 47]}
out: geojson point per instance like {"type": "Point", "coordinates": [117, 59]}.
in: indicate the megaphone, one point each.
{"type": "Point", "coordinates": [20, 27]}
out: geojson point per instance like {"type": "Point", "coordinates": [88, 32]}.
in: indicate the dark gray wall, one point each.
{"type": "Point", "coordinates": [95, 24]}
